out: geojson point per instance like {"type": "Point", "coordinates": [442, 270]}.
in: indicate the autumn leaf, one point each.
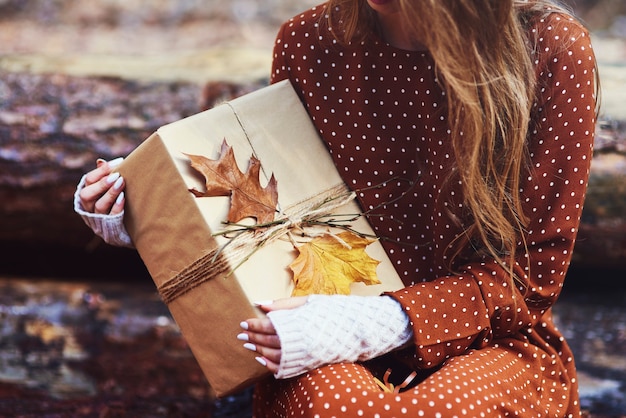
{"type": "Point", "coordinates": [223, 178]}
{"type": "Point", "coordinates": [327, 266]}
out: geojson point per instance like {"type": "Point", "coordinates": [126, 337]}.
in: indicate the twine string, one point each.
{"type": "Point", "coordinates": [239, 248]}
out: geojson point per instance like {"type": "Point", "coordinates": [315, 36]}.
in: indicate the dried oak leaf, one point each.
{"type": "Point", "coordinates": [247, 197]}
{"type": "Point", "coordinates": [327, 266]}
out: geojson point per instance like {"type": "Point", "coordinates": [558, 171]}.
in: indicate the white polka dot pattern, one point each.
{"type": "Point", "coordinates": [490, 351]}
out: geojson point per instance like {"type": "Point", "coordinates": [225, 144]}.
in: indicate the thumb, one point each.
{"type": "Point", "coordinates": [278, 304]}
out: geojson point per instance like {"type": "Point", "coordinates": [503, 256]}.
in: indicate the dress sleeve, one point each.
{"type": "Point", "coordinates": [455, 313]}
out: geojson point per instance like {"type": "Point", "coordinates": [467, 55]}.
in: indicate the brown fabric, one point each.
{"type": "Point", "coordinates": [487, 349]}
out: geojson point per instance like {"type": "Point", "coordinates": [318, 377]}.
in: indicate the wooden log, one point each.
{"type": "Point", "coordinates": [52, 129]}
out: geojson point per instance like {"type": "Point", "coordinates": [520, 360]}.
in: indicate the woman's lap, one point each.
{"type": "Point", "coordinates": [491, 381]}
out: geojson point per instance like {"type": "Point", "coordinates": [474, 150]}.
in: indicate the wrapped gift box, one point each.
{"type": "Point", "coordinates": [173, 230]}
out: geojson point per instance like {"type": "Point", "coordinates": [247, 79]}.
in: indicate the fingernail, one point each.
{"type": "Point", "coordinates": [112, 177]}
{"type": "Point", "coordinates": [99, 162]}
{"type": "Point", "coordinates": [242, 337]}
{"type": "Point", "coordinates": [261, 360]}
{"type": "Point", "coordinates": [244, 325]}
{"type": "Point", "coordinates": [120, 199]}
{"type": "Point", "coordinates": [118, 183]}
{"type": "Point", "coordinates": [116, 162]}
{"type": "Point", "coordinates": [263, 302]}
{"type": "Point", "coordinates": [249, 346]}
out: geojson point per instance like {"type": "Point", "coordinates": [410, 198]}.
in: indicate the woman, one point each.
{"type": "Point", "coordinates": [477, 117]}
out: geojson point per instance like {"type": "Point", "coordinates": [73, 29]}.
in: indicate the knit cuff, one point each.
{"type": "Point", "coordinates": [334, 329]}
{"type": "Point", "coordinates": [109, 227]}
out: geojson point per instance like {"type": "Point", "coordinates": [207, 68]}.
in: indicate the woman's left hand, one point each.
{"type": "Point", "coordinates": [260, 336]}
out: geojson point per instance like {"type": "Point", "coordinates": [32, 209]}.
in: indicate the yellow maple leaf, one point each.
{"type": "Point", "coordinates": [327, 266]}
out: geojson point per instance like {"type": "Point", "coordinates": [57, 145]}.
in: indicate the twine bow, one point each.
{"type": "Point", "coordinates": [389, 387]}
{"type": "Point", "coordinates": [247, 240]}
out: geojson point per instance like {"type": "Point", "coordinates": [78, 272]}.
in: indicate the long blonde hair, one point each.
{"type": "Point", "coordinates": [482, 51]}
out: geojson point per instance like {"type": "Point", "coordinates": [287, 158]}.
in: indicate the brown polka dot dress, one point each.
{"type": "Point", "coordinates": [480, 348]}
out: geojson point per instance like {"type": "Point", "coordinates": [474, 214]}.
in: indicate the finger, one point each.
{"type": "Point", "coordinates": [95, 175]}
{"type": "Point", "coordinates": [92, 192]}
{"type": "Point", "coordinates": [286, 303]}
{"type": "Point", "coordinates": [259, 326]}
{"type": "Point", "coordinates": [97, 182]}
{"type": "Point", "coordinates": [272, 367]}
{"type": "Point", "coordinates": [266, 340]}
{"type": "Point", "coordinates": [118, 206]}
{"type": "Point", "coordinates": [103, 169]}
{"type": "Point", "coordinates": [114, 185]}
{"type": "Point", "coordinates": [271, 354]}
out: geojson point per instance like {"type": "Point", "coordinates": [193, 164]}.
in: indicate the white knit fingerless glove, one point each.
{"type": "Point", "coordinates": [109, 227]}
{"type": "Point", "coordinates": [337, 328]}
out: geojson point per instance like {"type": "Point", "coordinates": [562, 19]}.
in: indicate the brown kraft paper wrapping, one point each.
{"type": "Point", "coordinates": [172, 229]}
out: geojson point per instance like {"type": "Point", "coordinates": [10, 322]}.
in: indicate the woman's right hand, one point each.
{"type": "Point", "coordinates": [103, 192]}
